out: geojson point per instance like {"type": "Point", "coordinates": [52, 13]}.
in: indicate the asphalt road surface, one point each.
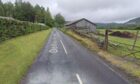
{"type": "Point", "coordinates": [64, 61]}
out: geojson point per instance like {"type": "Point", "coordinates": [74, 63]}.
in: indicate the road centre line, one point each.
{"type": "Point", "coordinates": [63, 47]}
{"type": "Point", "coordinates": [79, 79]}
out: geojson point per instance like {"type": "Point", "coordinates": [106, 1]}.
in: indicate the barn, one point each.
{"type": "Point", "coordinates": [82, 24]}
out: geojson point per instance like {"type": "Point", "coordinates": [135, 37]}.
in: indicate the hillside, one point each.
{"type": "Point", "coordinates": [131, 24]}
{"type": "Point", "coordinates": [134, 21]}
{"type": "Point", "coordinates": [108, 25]}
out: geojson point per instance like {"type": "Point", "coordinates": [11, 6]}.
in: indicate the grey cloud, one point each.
{"type": "Point", "coordinates": [101, 10]}
{"type": "Point", "coordinates": [95, 10]}
{"type": "Point", "coordinates": [78, 5]}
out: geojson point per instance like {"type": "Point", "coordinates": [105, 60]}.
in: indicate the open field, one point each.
{"type": "Point", "coordinates": [118, 46]}
{"type": "Point", "coordinates": [133, 31]}
{"type": "Point", "coordinates": [125, 44]}
{"type": "Point", "coordinates": [16, 55]}
{"type": "Point", "coordinates": [122, 40]}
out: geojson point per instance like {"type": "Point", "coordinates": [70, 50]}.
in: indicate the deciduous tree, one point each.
{"type": "Point", "coordinates": [59, 20]}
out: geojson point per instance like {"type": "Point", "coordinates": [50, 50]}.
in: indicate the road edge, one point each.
{"type": "Point", "coordinates": [121, 71]}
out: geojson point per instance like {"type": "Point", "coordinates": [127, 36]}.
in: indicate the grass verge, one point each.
{"type": "Point", "coordinates": [129, 68]}
{"type": "Point", "coordinates": [16, 55]}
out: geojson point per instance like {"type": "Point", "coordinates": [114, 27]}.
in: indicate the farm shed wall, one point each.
{"type": "Point", "coordinates": [83, 24]}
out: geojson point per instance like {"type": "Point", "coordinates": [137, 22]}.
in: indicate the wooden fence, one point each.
{"type": "Point", "coordinates": [125, 50]}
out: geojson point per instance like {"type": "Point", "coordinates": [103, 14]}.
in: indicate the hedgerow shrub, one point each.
{"type": "Point", "coordinates": [10, 28]}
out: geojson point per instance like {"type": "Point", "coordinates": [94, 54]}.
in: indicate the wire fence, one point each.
{"type": "Point", "coordinates": [121, 49]}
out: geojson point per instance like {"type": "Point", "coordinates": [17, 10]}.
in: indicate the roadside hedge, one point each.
{"type": "Point", "coordinates": [10, 28]}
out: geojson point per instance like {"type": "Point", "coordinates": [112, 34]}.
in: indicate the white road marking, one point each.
{"type": "Point", "coordinates": [79, 79]}
{"type": "Point", "coordinates": [54, 48]}
{"type": "Point", "coordinates": [63, 47]}
{"type": "Point", "coordinates": [53, 51]}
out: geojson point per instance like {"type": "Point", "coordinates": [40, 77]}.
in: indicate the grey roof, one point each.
{"type": "Point", "coordinates": [74, 22]}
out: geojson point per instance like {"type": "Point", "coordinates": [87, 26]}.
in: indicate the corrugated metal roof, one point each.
{"type": "Point", "coordinates": [74, 22]}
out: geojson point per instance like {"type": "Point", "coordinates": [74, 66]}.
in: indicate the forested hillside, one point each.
{"type": "Point", "coordinates": [24, 11]}
{"type": "Point", "coordinates": [22, 18]}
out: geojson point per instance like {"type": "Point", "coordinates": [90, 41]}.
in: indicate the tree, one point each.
{"type": "Point", "coordinates": [8, 9]}
{"type": "Point", "coordinates": [39, 14]}
{"type": "Point", "coordinates": [59, 20]}
{"type": "Point", "coordinates": [18, 2]}
{"type": "Point", "coordinates": [29, 15]}
{"type": "Point", "coordinates": [24, 11]}
{"type": "Point", "coordinates": [48, 18]}
{"type": "Point", "coordinates": [1, 9]}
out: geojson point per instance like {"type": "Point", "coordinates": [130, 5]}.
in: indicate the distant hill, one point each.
{"type": "Point", "coordinates": [108, 25]}
{"type": "Point", "coordinates": [134, 21]}
{"type": "Point", "coordinates": [131, 24]}
{"type": "Point", "coordinates": [117, 25]}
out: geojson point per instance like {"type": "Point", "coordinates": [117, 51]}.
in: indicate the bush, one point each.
{"type": "Point", "coordinates": [10, 28]}
{"type": "Point", "coordinates": [124, 34]}
{"type": "Point", "coordinates": [137, 28]}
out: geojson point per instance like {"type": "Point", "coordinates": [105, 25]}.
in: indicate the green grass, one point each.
{"type": "Point", "coordinates": [122, 49]}
{"type": "Point", "coordinates": [16, 55]}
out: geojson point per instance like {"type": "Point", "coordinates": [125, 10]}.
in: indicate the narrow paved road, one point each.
{"type": "Point", "coordinates": [64, 61]}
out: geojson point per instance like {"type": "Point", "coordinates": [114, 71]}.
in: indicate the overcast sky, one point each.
{"type": "Point", "coordinates": [94, 10]}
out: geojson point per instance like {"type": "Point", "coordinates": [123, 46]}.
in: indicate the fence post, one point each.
{"type": "Point", "coordinates": [106, 40]}
{"type": "Point", "coordinates": [133, 47]}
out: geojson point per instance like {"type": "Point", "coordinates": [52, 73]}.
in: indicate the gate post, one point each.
{"type": "Point", "coordinates": [106, 40]}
